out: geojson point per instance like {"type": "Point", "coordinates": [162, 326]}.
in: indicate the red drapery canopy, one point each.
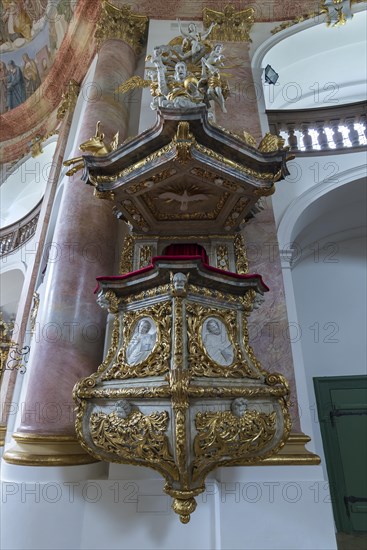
{"type": "Point", "coordinates": [186, 249]}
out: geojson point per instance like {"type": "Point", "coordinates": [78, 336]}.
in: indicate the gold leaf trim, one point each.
{"type": "Point", "coordinates": [158, 361]}
{"type": "Point", "coordinates": [231, 25]}
{"type": "Point", "coordinates": [200, 364]}
{"type": "Point", "coordinates": [222, 435]}
{"type": "Point", "coordinates": [138, 438]}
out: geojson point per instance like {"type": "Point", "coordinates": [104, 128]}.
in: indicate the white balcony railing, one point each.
{"type": "Point", "coordinates": [15, 235]}
{"type": "Point", "coordinates": [327, 129]}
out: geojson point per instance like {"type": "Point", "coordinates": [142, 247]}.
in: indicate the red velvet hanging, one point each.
{"type": "Point", "coordinates": [186, 249]}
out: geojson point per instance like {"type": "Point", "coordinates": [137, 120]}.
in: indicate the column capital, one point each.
{"type": "Point", "coordinates": [121, 24]}
{"type": "Point", "coordinates": [231, 25]}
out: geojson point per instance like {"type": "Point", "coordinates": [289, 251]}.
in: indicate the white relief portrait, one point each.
{"type": "Point", "coordinates": [216, 341]}
{"type": "Point", "coordinates": [239, 406]}
{"type": "Point", "coordinates": [142, 341]}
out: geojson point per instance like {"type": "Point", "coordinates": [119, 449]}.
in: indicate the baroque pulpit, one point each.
{"type": "Point", "coordinates": [180, 389]}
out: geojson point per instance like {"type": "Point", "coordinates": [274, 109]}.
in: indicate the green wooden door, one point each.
{"type": "Point", "coordinates": [342, 408]}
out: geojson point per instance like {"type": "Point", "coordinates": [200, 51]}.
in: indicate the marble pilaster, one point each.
{"type": "Point", "coordinates": [242, 112]}
{"type": "Point", "coordinates": [270, 332]}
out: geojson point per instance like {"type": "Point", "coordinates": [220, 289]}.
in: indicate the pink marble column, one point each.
{"type": "Point", "coordinates": [270, 333]}
{"type": "Point", "coordinates": [242, 104]}
{"type": "Point", "coordinates": [72, 325]}
{"type": "Point", "coordinates": [269, 330]}
{"type": "Point", "coordinates": [26, 299]}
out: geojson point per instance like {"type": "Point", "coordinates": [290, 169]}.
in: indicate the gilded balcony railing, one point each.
{"type": "Point", "coordinates": [15, 235]}
{"type": "Point", "coordinates": [323, 129]}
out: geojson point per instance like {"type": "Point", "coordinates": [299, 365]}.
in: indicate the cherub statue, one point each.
{"type": "Point", "coordinates": [154, 89]}
{"type": "Point", "coordinates": [214, 59]}
{"type": "Point", "coordinates": [215, 90]}
{"type": "Point", "coordinates": [211, 76]}
{"type": "Point", "coordinates": [156, 58]}
{"type": "Point", "coordinates": [192, 43]}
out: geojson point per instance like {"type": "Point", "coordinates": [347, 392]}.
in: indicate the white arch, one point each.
{"type": "Point", "coordinates": [293, 212]}
{"type": "Point", "coordinates": [274, 39]}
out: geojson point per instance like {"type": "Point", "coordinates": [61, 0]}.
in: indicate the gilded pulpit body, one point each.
{"type": "Point", "coordinates": [180, 389]}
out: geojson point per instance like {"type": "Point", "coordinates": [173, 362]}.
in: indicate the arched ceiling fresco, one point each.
{"type": "Point", "coordinates": [31, 32]}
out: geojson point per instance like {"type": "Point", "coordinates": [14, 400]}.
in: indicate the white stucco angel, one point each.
{"type": "Point", "coordinates": [214, 59]}
{"type": "Point", "coordinates": [210, 74]}
{"type": "Point", "coordinates": [193, 39]}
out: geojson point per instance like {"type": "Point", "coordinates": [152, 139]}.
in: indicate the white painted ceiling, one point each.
{"type": "Point", "coordinates": [319, 66]}
{"type": "Point", "coordinates": [25, 186]}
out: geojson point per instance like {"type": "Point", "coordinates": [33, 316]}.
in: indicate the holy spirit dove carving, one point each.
{"type": "Point", "coordinates": [183, 199]}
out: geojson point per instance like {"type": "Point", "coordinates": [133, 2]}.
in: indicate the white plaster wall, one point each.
{"type": "Point", "coordinates": [311, 176]}
{"type": "Point", "coordinates": [320, 66]}
{"type": "Point", "coordinates": [331, 305]}
{"type": "Point", "coordinates": [322, 226]}
{"type": "Point", "coordinates": [263, 508]}
{"type": "Point", "coordinates": [25, 186]}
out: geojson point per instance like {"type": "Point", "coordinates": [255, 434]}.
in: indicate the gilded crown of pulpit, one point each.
{"type": "Point", "coordinates": [180, 389]}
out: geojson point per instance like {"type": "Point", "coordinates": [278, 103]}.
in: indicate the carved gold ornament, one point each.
{"type": "Point", "coordinates": [249, 139]}
{"type": "Point", "coordinates": [271, 143]}
{"type": "Point", "coordinates": [201, 363]}
{"type": "Point", "coordinates": [145, 256]}
{"type": "Point", "coordinates": [122, 24]}
{"type": "Point", "coordinates": [337, 12]}
{"type": "Point", "coordinates": [36, 148]}
{"type": "Point", "coordinates": [68, 99]}
{"type": "Point", "coordinates": [231, 25]}
{"type": "Point", "coordinates": [183, 142]}
{"type": "Point", "coordinates": [267, 176]}
{"type": "Point", "coordinates": [157, 361]}
{"type": "Point", "coordinates": [96, 146]}
{"type": "Point", "coordinates": [126, 259]}
{"type": "Point", "coordinates": [137, 439]}
{"type": "Point", "coordinates": [132, 83]}
{"type": "Point", "coordinates": [223, 437]}
{"type": "Point", "coordinates": [222, 257]}
{"type": "Point", "coordinates": [240, 253]}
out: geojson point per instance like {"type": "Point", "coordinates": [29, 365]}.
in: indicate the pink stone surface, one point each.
{"type": "Point", "coordinates": [33, 265]}
{"type": "Point", "coordinates": [265, 10]}
{"type": "Point", "coordinates": [270, 335]}
{"type": "Point", "coordinates": [269, 330]}
{"type": "Point", "coordinates": [242, 104]}
{"type": "Point", "coordinates": [70, 341]}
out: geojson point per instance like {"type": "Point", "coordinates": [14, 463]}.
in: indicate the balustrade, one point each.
{"type": "Point", "coordinates": [324, 129]}
{"type": "Point", "coordinates": [15, 235]}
